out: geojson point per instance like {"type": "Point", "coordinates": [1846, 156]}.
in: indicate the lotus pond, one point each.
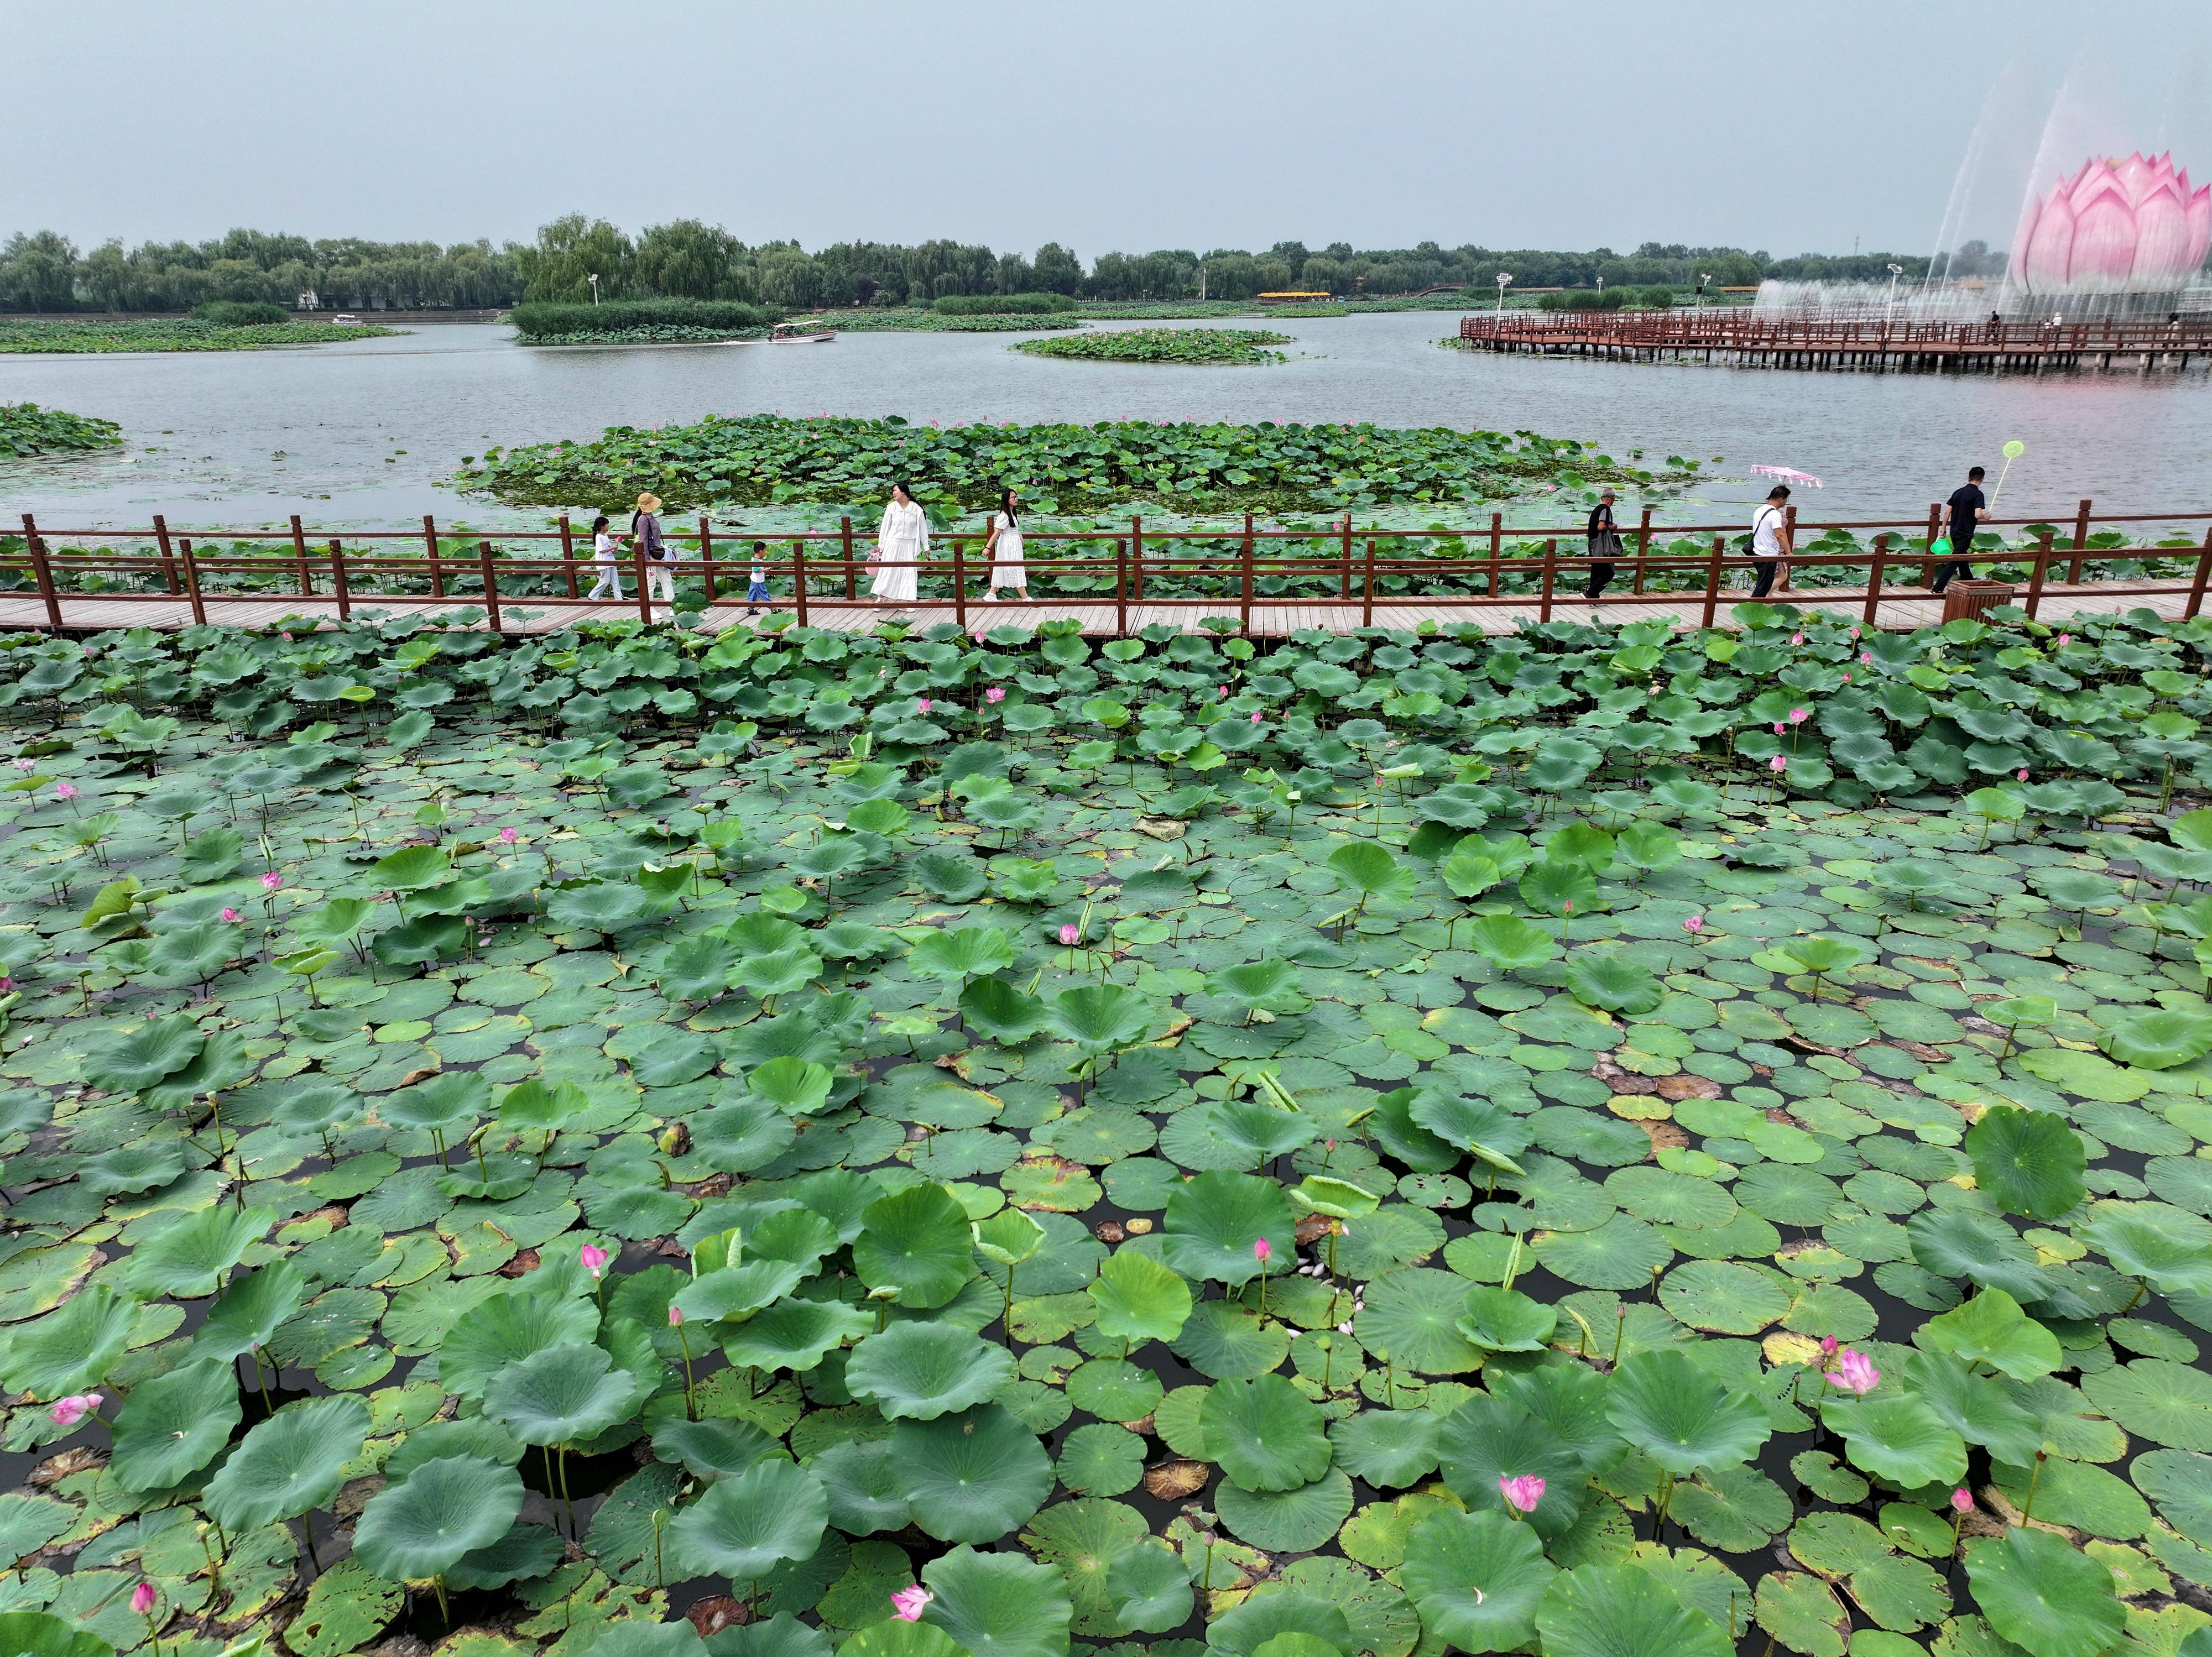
{"type": "Point", "coordinates": [1206, 346]}
{"type": "Point", "coordinates": [1602, 1142]}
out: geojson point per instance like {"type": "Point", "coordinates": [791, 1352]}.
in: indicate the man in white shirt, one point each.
{"type": "Point", "coordinates": [1770, 539]}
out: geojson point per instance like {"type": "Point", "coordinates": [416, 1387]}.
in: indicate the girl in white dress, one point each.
{"type": "Point", "coordinates": [1003, 548]}
{"type": "Point", "coordinates": [901, 542]}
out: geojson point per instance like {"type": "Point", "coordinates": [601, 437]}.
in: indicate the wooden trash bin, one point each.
{"type": "Point", "coordinates": [1965, 599]}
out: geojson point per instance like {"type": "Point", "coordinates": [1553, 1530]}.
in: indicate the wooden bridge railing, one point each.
{"type": "Point", "coordinates": [1729, 327]}
{"type": "Point", "coordinates": [1234, 568]}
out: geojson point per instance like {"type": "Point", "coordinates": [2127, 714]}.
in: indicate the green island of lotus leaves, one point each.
{"type": "Point", "coordinates": [1600, 1143]}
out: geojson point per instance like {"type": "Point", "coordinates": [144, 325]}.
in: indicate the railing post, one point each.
{"type": "Point", "coordinates": [1137, 559]}
{"type": "Point", "coordinates": [300, 557]}
{"type": "Point", "coordinates": [1367, 588]}
{"type": "Point", "coordinates": [43, 570]}
{"type": "Point", "coordinates": [1120, 588]}
{"type": "Point", "coordinates": [1643, 546]}
{"type": "Point", "coordinates": [490, 586]}
{"type": "Point", "coordinates": [644, 598]}
{"type": "Point", "coordinates": [844, 536]}
{"type": "Point", "coordinates": [2081, 541]}
{"type": "Point", "coordinates": [707, 554]}
{"type": "Point", "coordinates": [430, 546]}
{"type": "Point", "coordinates": [1244, 604]}
{"type": "Point", "coordinates": [1873, 579]}
{"type": "Point", "coordinates": [799, 576]}
{"type": "Point", "coordinates": [2203, 574]}
{"type": "Point", "coordinates": [568, 554]}
{"type": "Point", "coordinates": [1496, 531]}
{"type": "Point", "coordinates": [959, 588]}
{"type": "Point", "coordinates": [338, 583]}
{"type": "Point", "coordinates": [1551, 575]}
{"type": "Point", "coordinates": [1348, 551]}
{"type": "Point", "coordinates": [192, 582]}
{"type": "Point", "coordinates": [168, 557]}
{"type": "Point", "coordinates": [2042, 562]}
{"type": "Point", "coordinates": [1712, 583]}
{"type": "Point", "coordinates": [1934, 526]}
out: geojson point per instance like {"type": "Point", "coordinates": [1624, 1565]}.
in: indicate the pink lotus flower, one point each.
{"type": "Point", "coordinates": [1827, 1346]}
{"type": "Point", "coordinates": [1255, 718]}
{"type": "Point", "coordinates": [921, 705]}
{"type": "Point", "coordinates": [6, 983]}
{"type": "Point", "coordinates": [1961, 1502]}
{"type": "Point", "coordinates": [271, 881]}
{"type": "Point", "coordinates": [1778, 763]}
{"type": "Point", "coordinates": [1261, 1250]}
{"type": "Point", "coordinates": [1855, 1370]}
{"type": "Point", "coordinates": [1567, 906]}
{"type": "Point", "coordinates": [1071, 934]}
{"type": "Point", "coordinates": [594, 1257]}
{"type": "Point", "coordinates": [507, 837]}
{"type": "Point", "coordinates": [1799, 715]}
{"type": "Point", "coordinates": [1866, 658]}
{"type": "Point", "coordinates": [1797, 638]}
{"type": "Point", "coordinates": [2065, 639]}
{"type": "Point", "coordinates": [2021, 775]}
{"type": "Point", "coordinates": [1847, 678]}
{"type": "Point", "coordinates": [1523, 1493]}
{"type": "Point", "coordinates": [2114, 226]}
{"type": "Point", "coordinates": [23, 765]}
{"type": "Point", "coordinates": [1694, 925]}
{"type": "Point", "coordinates": [288, 638]}
{"type": "Point", "coordinates": [141, 1597]}
{"type": "Point", "coordinates": [675, 1318]}
{"type": "Point", "coordinates": [1780, 729]}
{"type": "Point", "coordinates": [232, 915]}
{"type": "Point", "coordinates": [1225, 690]}
{"type": "Point", "coordinates": [64, 791]}
{"type": "Point", "coordinates": [908, 1604]}
{"type": "Point", "coordinates": [68, 1412]}
{"type": "Point", "coordinates": [1855, 633]}
{"type": "Point", "coordinates": [995, 694]}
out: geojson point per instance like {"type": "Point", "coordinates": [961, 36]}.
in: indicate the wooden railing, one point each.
{"type": "Point", "coordinates": [1233, 568]}
{"type": "Point", "coordinates": [1736, 329]}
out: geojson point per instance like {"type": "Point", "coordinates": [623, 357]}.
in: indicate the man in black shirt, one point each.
{"type": "Point", "coordinates": [1604, 543]}
{"type": "Point", "coordinates": [1967, 502]}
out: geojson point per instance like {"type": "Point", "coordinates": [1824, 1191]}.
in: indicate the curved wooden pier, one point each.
{"type": "Point", "coordinates": [1748, 339]}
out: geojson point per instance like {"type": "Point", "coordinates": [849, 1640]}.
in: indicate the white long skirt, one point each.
{"type": "Point", "coordinates": [1006, 568]}
{"type": "Point", "coordinates": [894, 576]}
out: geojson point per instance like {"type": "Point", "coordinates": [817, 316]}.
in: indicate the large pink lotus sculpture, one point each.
{"type": "Point", "coordinates": [2130, 226]}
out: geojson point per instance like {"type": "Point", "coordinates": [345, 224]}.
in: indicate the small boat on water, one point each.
{"type": "Point", "coordinates": [800, 333]}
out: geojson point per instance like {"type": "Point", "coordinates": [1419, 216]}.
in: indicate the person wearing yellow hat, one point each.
{"type": "Point", "coordinates": [645, 536]}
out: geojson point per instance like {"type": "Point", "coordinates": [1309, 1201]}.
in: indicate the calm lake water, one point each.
{"type": "Point", "coordinates": [356, 435]}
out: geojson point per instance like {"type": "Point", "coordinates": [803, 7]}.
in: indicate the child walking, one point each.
{"type": "Point", "coordinates": [757, 593]}
{"type": "Point", "coordinates": [605, 554]}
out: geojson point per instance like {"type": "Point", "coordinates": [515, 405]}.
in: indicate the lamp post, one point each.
{"type": "Point", "coordinates": [594, 280]}
{"type": "Point", "coordinates": [1505, 281]}
{"type": "Point", "coordinates": [1895, 271]}
{"type": "Point", "coordinates": [1704, 276]}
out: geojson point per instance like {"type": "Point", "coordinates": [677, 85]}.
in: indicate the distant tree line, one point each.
{"type": "Point", "coordinates": [688, 260]}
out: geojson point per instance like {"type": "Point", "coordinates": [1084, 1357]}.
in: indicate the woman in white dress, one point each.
{"type": "Point", "coordinates": [1003, 548]}
{"type": "Point", "coordinates": [901, 542]}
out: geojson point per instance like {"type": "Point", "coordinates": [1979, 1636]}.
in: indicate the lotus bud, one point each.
{"type": "Point", "coordinates": [1866, 656]}
{"type": "Point", "coordinates": [1778, 763]}
{"type": "Point", "coordinates": [1257, 720]}
{"type": "Point", "coordinates": [2065, 639]}
{"type": "Point", "coordinates": [594, 1260]}
{"type": "Point", "coordinates": [908, 1604]}
{"type": "Point", "coordinates": [1780, 728]}
{"type": "Point", "coordinates": [1071, 934]}
{"type": "Point", "coordinates": [1522, 1493]}
{"type": "Point", "coordinates": [1855, 633]}
{"type": "Point", "coordinates": [68, 1412]}
{"type": "Point", "coordinates": [1961, 1501]}
{"type": "Point", "coordinates": [271, 881]}
{"type": "Point", "coordinates": [1797, 638]}
{"type": "Point", "coordinates": [1827, 1346]}
{"type": "Point", "coordinates": [142, 1598]}
{"type": "Point", "coordinates": [1261, 1250]}
{"type": "Point", "coordinates": [675, 1318]}
{"type": "Point", "coordinates": [232, 915]}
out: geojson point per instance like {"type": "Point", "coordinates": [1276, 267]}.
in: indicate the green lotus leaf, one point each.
{"type": "Point", "coordinates": [561, 1394]}
{"type": "Point", "coordinates": [1680, 1416]}
{"type": "Point", "coordinates": [923, 1370]}
{"type": "Point", "coordinates": [1610, 982]}
{"type": "Point", "coordinates": [1485, 1130]}
{"type": "Point", "coordinates": [444, 1510]}
{"type": "Point", "coordinates": [999, 1604]}
{"type": "Point", "coordinates": [895, 1637]}
{"type": "Point", "coordinates": [525, 1552]}
{"type": "Point", "coordinates": [2030, 1162]}
{"type": "Point", "coordinates": [289, 1464]}
{"type": "Point", "coordinates": [963, 952]}
{"type": "Point", "coordinates": [1245, 1628]}
{"type": "Point", "coordinates": [864, 1487]}
{"type": "Point", "coordinates": [1622, 1611]}
{"type": "Point", "coordinates": [916, 1245]}
{"type": "Point", "coordinates": [1100, 1019]}
{"type": "Point", "coordinates": [971, 1477]}
{"type": "Point", "coordinates": [1956, 1242]}
{"type": "Point", "coordinates": [1899, 1438]}
{"type": "Point", "coordinates": [1507, 1321]}
{"type": "Point", "coordinates": [1214, 1219]}
{"type": "Point", "coordinates": [145, 1166]}
{"type": "Point", "coordinates": [505, 1328]}
{"type": "Point", "coordinates": [1148, 1589]}
{"type": "Point", "coordinates": [794, 1334]}
{"type": "Point", "coordinates": [143, 1057]}
{"type": "Point", "coordinates": [744, 1525]}
{"type": "Point", "coordinates": [1563, 886]}
{"type": "Point", "coordinates": [743, 1136]}
{"type": "Point", "coordinates": [1476, 1579]}
{"type": "Point", "coordinates": [1510, 943]}
{"type": "Point", "coordinates": [2043, 1596]}
{"type": "Point", "coordinates": [173, 1424]}
{"type": "Point", "coordinates": [1338, 1199]}
{"type": "Point", "coordinates": [2161, 1040]}
{"type": "Point", "coordinates": [1992, 1329]}
{"type": "Point", "coordinates": [71, 1349]}
{"type": "Point", "coordinates": [713, 1447]}
{"type": "Point", "coordinates": [191, 1257]}
{"type": "Point", "coordinates": [1363, 867]}
{"type": "Point", "coordinates": [1489, 1438]}
{"type": "Point", "coordinates": [2167, 1246]}
{"type": "Point", "coordinates": [1001, 1011]}
{"type": "Point", "coordinates": [735, 1291]}
{"type": "Point", "coordinates": [40, 1633]}
{"type": "Point", "coordinates": [1265, 1433]}
{"type": "Point", "coordinates": [1138, 1299]}
{"type": "Point", "coordinates": [411, 869]}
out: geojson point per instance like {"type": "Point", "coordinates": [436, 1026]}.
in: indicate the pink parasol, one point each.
{"type": "Point", "coordinates": [1788, 475]}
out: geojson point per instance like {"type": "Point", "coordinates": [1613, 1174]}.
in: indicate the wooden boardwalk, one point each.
{"type": "Point", "coordinates": [1900, 608]}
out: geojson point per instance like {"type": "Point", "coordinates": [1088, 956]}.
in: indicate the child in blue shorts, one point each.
{"type": "Point", "coordinates": [757, 593]}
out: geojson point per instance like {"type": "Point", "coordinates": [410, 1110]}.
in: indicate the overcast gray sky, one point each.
{"type": "Point", "coordinates": [1136, 125]}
